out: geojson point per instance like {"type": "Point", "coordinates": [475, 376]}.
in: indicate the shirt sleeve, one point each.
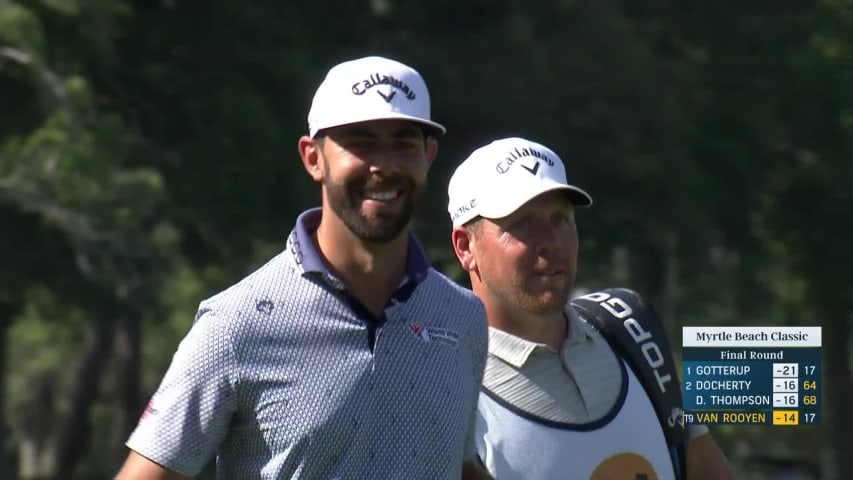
{"type": "Point", "coordinates": [470, 440]}
{"type": "Point", "coordinates": [480, 353]}
{"type": "Point", "coordinates": [188, 416]}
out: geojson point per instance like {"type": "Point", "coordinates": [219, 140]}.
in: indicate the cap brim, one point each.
{"type": "Point", "coordinates": [578, 196]}
{"type": "Point", "coordinates": [437, 128]}
{"type": "Point", "coordinates": [504, 205]}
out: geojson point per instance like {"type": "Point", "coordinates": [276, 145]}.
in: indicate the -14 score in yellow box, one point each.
{"type": "Point", "coordinates": [786, 417]}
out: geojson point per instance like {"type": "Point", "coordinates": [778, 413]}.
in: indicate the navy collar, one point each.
{"type": "Point", "coordinates": [307, 258]}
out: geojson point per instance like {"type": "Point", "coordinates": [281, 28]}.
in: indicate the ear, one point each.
{"type": "Point", "coordinates": [431, 149]}
{"type": "Point", "coordinates": [309, 152]}
{"type": "Point", "coordinates": [462, 242]}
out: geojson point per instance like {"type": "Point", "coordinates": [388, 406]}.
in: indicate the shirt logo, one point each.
{"type": "Point", "coordinates": [419, 332]}
{"type": "Point", "coordinates": [295, 248]}
{"type": "Point", "coordinates": [677, 416]}
{"type": "Point", "coordinates": [434, 334]}
{"type": "Point", "coordinates": [264, 306]}
{"type": "Point", "coordinates": [149, 410]}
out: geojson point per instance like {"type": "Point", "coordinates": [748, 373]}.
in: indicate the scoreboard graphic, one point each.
{"type": "Point", "coordinates": [751, 375]}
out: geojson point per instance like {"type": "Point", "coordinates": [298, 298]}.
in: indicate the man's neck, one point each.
{"type": "Point", "coordinates": [371, 271]}
{"type": "Point", "coordinates": [549, 328]}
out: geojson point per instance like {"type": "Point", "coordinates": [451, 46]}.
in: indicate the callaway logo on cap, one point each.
{"type": "Point", "coordinates": [370, 88]}
{"type": "Point", "coordinates": [497, 179]}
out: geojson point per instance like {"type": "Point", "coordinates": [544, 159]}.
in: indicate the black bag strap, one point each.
{"type": "Point", "coordinates": [636, 333]}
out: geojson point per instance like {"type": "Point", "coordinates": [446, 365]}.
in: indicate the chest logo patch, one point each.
{"type": "Point", "coordinates": [434, 334]}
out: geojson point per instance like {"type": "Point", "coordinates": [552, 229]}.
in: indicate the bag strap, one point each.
{"type": "Point", "coordinates": [636, 333]}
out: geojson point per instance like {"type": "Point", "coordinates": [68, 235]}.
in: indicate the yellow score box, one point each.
{"type": "Point", "coordinates": [731, 417]}
{"type": "Point", "coordinates": [786, 417]}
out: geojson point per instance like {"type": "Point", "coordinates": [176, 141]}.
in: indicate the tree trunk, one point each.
{"type": "Point", "coordinates": [128, 405]}
{"type": "Point", "coordinates": [36, 448]}
{"type": "Point", "coordinates": [837, 384]}
{"type": "Point", "coordinates": [6, 469]}
{"type": "Point", "coordinates": [654, 275]}
{"type": "Point", "coordinates": [73, 430]}
{"type": "Point", "coordinates": [670, 291]}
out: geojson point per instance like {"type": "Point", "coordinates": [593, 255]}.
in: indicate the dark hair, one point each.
{"type": "Point", "coordinates": [427, 132]}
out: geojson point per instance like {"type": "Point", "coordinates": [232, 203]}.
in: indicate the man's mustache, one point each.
{"type": "Point", "coordinates": [391, 182]}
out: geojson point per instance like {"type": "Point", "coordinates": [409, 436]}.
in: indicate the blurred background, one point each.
{"type": "Point", "coordinates": [148, 159]}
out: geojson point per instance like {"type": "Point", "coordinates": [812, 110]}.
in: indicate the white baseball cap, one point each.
{"type": "Point", "coordinates": [497, 179]}
{"type": "Point", "coordinates": [370, 88]}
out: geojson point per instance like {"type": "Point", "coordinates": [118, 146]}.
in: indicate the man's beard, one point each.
{"type": "Point", "coordinates": [379, 228]}
{"type": "Point", "coordinates": [515, 293]}
{"type": "Point", "coordinates": [537, 303]}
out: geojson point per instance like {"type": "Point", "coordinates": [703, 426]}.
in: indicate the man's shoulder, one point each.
{"type": "Point", "coordinates": [261, 290]}
{"type": "Point", "coordinates": [452, 295]}
{"type": "Point", "coordinates": [451, 304]}
{"type": "Point", "coordinates": [444, 284]}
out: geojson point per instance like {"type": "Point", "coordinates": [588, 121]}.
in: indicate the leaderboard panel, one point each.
{"type": "Point", "coordinates": [752, 375]}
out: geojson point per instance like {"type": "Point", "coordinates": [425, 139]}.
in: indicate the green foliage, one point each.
{"type": "Point", "coordinates": [172, 316]}
{"type": "Point", "coordinates": [20, 26]}
{"type": "Point", "coordinates": [45, 337]}
{"type": "Point", "coordinates": [35, 347]}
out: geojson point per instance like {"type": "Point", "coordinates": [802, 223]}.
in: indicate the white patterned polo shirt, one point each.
{"type": "Point", "coordinates": [284, 375]}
